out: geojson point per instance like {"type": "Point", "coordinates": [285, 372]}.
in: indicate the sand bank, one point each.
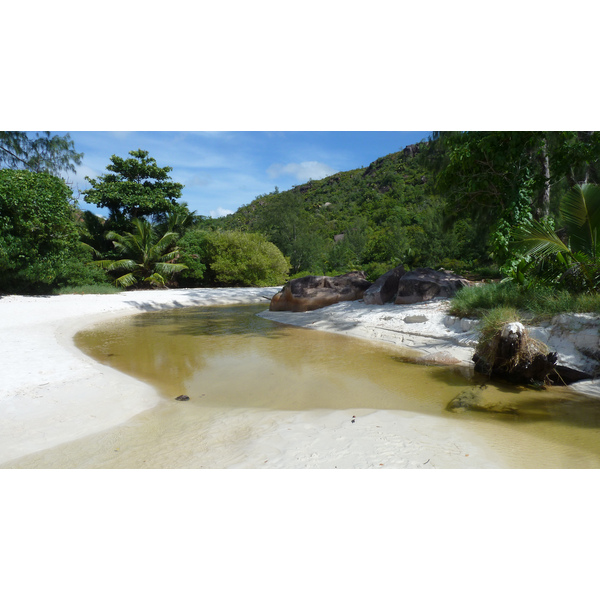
{"type": "Point", "coordinates": [439, 338]}
{"type": "Point", "coordinates": [52, 393]}
{"type": "Point", "coordinates": [424, 327]}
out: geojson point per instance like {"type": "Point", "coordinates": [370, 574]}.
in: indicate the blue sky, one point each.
{"type": "Point", "coordinates": [221, 171]}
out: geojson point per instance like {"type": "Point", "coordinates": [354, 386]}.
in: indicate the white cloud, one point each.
{"type": "Point", "coordinates": [197, 181]}
{"type": "Point", "coordinates": [220, 212]}
{"type": "Point", "coordinates": [301, 171]}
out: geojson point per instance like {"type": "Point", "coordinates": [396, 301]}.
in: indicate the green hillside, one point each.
{"type": "Point", "coordinates": [370, 218]}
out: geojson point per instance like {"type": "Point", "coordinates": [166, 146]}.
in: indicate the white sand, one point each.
{"type": "Point", "coordinates": [50, 392]}
{"type": "Point", "coordinates": [423, 327]}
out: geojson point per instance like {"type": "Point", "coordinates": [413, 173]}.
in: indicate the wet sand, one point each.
{"type": "Point", "coordinates": [54, 394]}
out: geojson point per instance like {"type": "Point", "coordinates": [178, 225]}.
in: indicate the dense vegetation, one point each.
{"type": "Point", "coordinates": [523, 207]}
{"type": "Point", "coordinates": [370, 219]}
{"type": "Point", "coordinates": [39, 247]}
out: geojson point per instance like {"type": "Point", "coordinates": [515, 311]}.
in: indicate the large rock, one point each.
{"type": "Point", "coordinates": [312, 292]}
{"type": "Point", "coordinates": [385, 287]}
{"type": "Point", "coordinates": [424, 284]}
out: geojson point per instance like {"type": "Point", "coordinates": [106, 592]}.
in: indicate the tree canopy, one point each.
{"type": "Point", "coordinates": [135, 187]}
{"type": "Point", "coordinates": [47, 153]}
{"type": "Point", "coordinates": [37, 229]}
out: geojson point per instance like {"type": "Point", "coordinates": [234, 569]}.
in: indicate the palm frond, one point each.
{"type": "Point", "coordinates": [538, 240]}
{"type": "Point", "coordinates": [91, 249]}
{"type": "Point", "coordinates": [165, 241]}
{"type": "Point", "coordinates": [105, 264]}
{"type": "Point", "coordinates": [170, 256]}
{"type": "Point", "coordinates": [156, 280]}
{"type": "Point", "coordinates": [169, 268]}
{"type": "Point", "coordinates": [126, 280]}
{"type": "Point", "coordinates": [113, 235]}
{"type": "Point", "coordinates": [580, 210]}
{"type": "Point", "coordinates": [123, 264]}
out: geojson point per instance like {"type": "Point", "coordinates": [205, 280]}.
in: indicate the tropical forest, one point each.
{"type": "Point", "coordinates": [519, 210]}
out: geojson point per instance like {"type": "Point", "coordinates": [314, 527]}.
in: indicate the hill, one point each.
{"type": "Point", "coordinates": [370, 218]}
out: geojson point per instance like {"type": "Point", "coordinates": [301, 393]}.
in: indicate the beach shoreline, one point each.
{"type": "Point", "coordinates": [53, 393]}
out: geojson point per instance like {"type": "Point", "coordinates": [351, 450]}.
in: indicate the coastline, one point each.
{"type": "Point", "coordinates": [53, 393]}
{"type": "Point", "coordinates": [424, 328]}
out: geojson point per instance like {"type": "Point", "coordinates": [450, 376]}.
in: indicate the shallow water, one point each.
{"type": "Point", "coordinates": [227, 359]}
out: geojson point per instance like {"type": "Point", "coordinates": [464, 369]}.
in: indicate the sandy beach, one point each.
{"type": "Point", "coordinates": [52, 393]}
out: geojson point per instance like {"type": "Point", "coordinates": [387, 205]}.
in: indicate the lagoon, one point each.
{"type": "Point", "coordinates": [232, 363]}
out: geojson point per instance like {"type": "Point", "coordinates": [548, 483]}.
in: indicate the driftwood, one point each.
{"type": "Point", "coordinates": [512, 355]}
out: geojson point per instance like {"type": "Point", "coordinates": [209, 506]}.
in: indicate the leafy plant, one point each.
{"type": "Point", "coordinates": [538, 300]}
{"type": "Point", "coordinates": [243, 259]}
{"type": "Point", "coordinates": [192, 246]}
{"type": "Point", "coordinates": [37, 230]}
{"type": "Point", "coordinates": [150, 259]}
{"type": "Point", "coordinates": [575, 259]}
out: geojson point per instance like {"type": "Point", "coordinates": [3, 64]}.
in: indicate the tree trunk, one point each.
{"type": "Point", "coordinates": [542, 207]}
{"type": "Point", "coordinates": [584, 136]}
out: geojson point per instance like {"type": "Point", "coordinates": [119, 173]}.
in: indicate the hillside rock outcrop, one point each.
{"type": "Point", "coordinates": [312, 292]}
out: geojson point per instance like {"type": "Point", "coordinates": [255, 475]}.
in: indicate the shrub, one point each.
{"type": "Point", "coordinates": [37, 230]}
{"type": "Point", "coordinates": [243, 259]}
{"type": "Point", "coordinates": [101, 288]}
{"type": "Point", "coordinates": [193, 255]}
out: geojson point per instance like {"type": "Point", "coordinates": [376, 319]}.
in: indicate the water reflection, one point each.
{"type": "Point", "coordinates": [226, 357]}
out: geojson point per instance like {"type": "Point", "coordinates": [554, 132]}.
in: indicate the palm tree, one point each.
{"type": "Point", "coordinates": [579, 254]}
{"type": "Point", "coordinates": [149, 259]}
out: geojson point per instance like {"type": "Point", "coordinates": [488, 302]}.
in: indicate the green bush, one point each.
{"type": "Point", "coordinates": [37, 230]}
{"type": "Point", "coordinates": [75, 270]}
{"type": "Point", "coordinates": [375, 270]}
{"type": "Point", "coordinates": [193, 254]}
{"type": "Point", "coordinates": [243, 259]}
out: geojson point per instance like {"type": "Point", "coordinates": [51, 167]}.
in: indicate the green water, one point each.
{"type": "Point", "coordinates": [227, 359]}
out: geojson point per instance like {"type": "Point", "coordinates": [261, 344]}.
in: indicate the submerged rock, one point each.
{"type": "Point", "coordinates": [472, 400]}
{"type": "Point", "coordinates": [312, 292]}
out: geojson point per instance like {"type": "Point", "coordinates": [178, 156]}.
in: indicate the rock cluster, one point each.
{"type": "Point", "coordinates": [419, 285]}
{"type": "Point", "coordinates": [385, 288]}
{"type": "Point", "coordinates": [312, 292]}
{"type": "Point", "coordinates": [424, 284]}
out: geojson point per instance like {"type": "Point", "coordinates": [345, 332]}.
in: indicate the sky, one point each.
{"type": "Point", "coordinates": [223, 170]}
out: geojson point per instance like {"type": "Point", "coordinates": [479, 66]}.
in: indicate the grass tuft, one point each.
{"type": "Point", "coordinates": [540, 301]}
